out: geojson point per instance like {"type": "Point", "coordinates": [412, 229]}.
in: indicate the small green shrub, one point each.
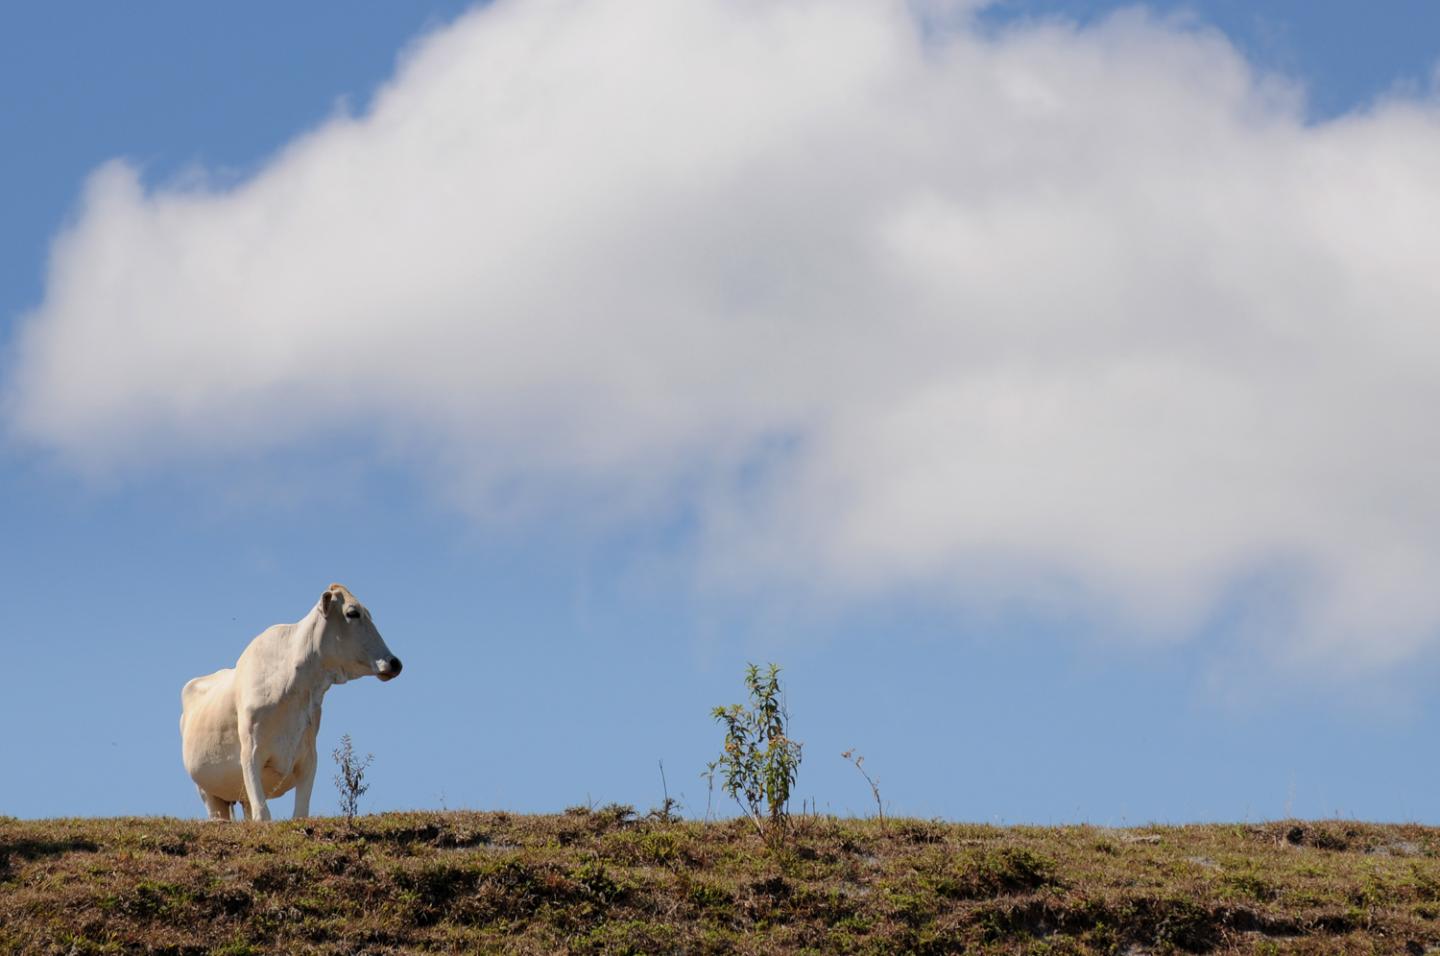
{"type": "Point", "coordinates": [760, 760]}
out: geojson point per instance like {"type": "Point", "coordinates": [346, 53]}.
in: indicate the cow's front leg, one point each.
{"type": "Point", "coordinates": [250, 765]}
{"type": "Point", "coordinates": [304, 781]}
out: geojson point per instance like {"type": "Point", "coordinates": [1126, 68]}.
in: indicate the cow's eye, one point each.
{"type": "Point", "coordinates": [353, 613]}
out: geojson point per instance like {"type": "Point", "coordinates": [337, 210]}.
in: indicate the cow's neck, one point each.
{"type": "Point", "coordinates": [309, 660]}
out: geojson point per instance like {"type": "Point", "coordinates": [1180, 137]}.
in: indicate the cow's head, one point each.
{"type": "Point", "coordinates": [351, 641]}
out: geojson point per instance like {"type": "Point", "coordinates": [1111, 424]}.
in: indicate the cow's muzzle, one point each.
{"type": "Point", "coordinates": [387, 670]}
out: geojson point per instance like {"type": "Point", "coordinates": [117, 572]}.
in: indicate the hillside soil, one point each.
{"type": "Point", "coordinates": [603, 881]}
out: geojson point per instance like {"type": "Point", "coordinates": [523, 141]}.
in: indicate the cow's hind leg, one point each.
{"type": "Point", "coordinates": [219, 809]}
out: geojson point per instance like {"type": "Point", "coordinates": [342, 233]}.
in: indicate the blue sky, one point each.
{"type": "Point", "coordinates": [1041, 588]}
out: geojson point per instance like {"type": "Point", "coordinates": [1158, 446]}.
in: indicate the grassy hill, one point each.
{"type": "Point", "coordinates": [605, 882]}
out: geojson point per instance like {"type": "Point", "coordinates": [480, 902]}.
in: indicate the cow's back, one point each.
{"type": "Point", "coordinates": [210, 736]}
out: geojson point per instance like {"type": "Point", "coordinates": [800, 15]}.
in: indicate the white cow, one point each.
{"type": "Point", "coordinates": [248, 732]}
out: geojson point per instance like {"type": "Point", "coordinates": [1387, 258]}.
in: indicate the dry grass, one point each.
{"type": "Point", "coordinates": [604, 882]}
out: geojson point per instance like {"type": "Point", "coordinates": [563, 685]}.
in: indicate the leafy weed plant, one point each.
{"type": "Point", "coordinates": [760, 760]}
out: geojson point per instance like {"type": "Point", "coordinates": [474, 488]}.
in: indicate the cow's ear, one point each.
{"type": "Point", "coordinates": [325, 601]}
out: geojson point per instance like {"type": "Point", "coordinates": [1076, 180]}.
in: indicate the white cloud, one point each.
{"type": "Point", "coordinates": [1085, 316]}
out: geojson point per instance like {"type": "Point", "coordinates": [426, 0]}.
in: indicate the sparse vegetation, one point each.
{"type": "Point", "coordinates": [708, 775]}
{"type": "Point", "coordinates": [606, 881]}
{"type": "Point", "coordinates": [350, 779]}
{"type": "Point", "coordinates": [669, 809]}
{"type": "Point", "coordinates": [760, 761]}
{"type": "Point", "coordinates": [859, 761]}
